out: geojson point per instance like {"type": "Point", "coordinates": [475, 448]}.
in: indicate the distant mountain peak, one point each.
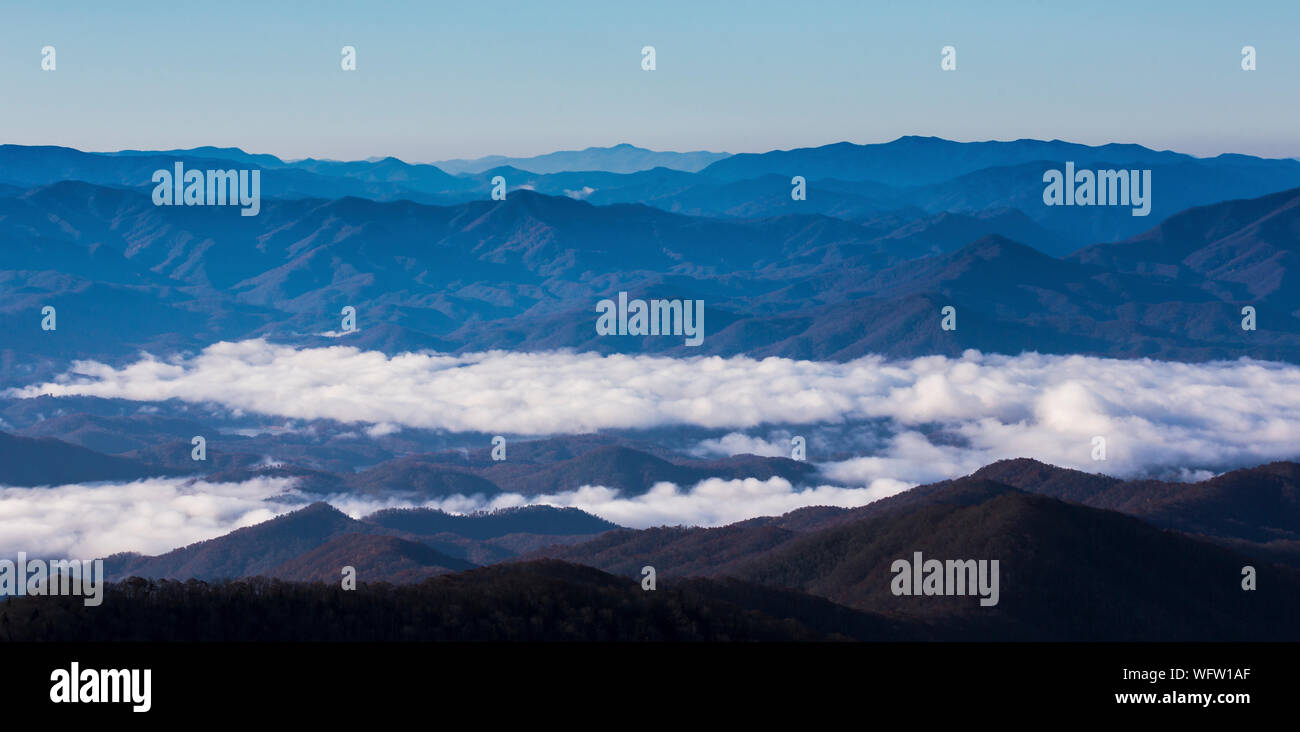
{"type": "Point", "coordinates": [623, 157]}
{"type": "Point", "coordinates": [996, 246]}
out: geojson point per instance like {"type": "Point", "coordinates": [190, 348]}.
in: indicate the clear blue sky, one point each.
{"type": "Point", "coordinates": [464, 79]}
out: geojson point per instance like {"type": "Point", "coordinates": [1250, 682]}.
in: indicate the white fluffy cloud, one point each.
{"type": "Point", "coordinates": [712, 502]}
{"type": "Point", "coordinates": [1152, 414]}
{"type": "Point", "coordinates": [739, 443]}
{"type": "Point", "coordinates": [909, 460]}
{"type": "Point", "coordinates": [90, 520]}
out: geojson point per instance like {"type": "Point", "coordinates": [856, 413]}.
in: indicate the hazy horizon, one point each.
{"type": "Point", "coordinates": [438, 82]}
{"type": "Point", "coordinates": [381, 155]}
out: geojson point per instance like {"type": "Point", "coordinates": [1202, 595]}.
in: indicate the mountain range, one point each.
{"type": "Point", "coordinates": [903, 177]}
{"type": "Point", "coordinates": [888, 236]}
{"type": "Point", "coordinates": [314, 543]}
{"type": "Point", "coordinates": [1083, 557]}
{"type": "Point", "coordinates": [621, 158]}
{"type": "Point", "coordinates": [525, 274]}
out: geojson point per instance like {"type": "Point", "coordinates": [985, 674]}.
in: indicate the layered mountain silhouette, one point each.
{"type": "Point", "coordinates": [554, 465]}
{"type": "Point", "coordinates": [886, 237]}
{"type": "Point", "coordinates": [621, 158]}
{"type": "Point", "coordinates": [1082, 556]}
{"type": "Point", "coordinates": [315, 542]}
{"type": "Point", "coordinates": [845, 180]}
{"type": "Point", "coordinates": [525, 274]}
{"type": "Point", "coordinates": [1255, 510]}
{"type": "Point", "coordinates": [1083, 573]}
{"type": "Point", "coordinates": [916, 160]}
{"type": "Point", "coordinates": [1069, 570]}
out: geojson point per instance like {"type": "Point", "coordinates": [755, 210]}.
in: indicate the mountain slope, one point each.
{"type": "Point", "coordinates": [1259, 504]}
{"type": "Point", "coordinates": [523, 520]}
{"type": "Point", "coordinates": [1251, 248]}
{"type": "Point", "coordinates": [244, 552]}
{"type": "Point", "coordinates": [1067, 572]}
{"type": "Point", "coordinates": [374, 559]}
{"type": "Point", "coordinates": [45, 461]}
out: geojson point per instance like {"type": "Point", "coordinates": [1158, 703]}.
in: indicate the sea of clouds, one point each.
{"type": "Point", "coordinates": [1157, 417]}
{"type": "Point", "coordinates": [1152, 413]}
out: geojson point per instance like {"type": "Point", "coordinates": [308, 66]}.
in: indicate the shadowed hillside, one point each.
{"type": "Point", "coordinates": [540, 601]}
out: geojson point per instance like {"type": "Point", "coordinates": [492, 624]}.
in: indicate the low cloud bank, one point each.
{"type": "Point", "coordinates": [1152, 415]}
{"type": "Point", "coordinates": [151, 516]}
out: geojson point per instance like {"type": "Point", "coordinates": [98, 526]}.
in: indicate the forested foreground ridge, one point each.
{"type": "Point", "coordinates": [536, 601]}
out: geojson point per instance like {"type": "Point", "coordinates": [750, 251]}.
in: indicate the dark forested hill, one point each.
{"type": "Point", "coordinates": [28, 461]}
{"type": "Point", "coordinates": [538, 601]}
